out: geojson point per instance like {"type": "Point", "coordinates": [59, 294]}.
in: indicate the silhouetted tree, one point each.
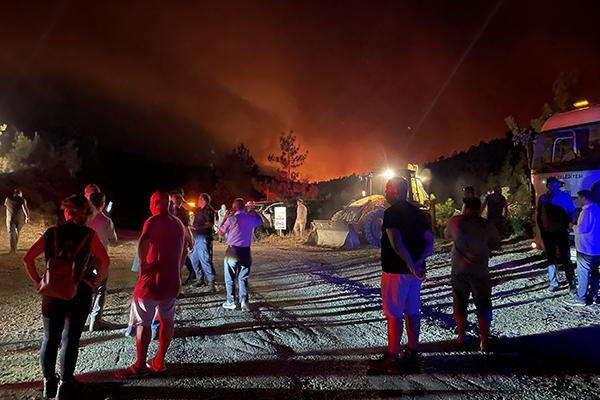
{"type": "Point", "coordinates": [290, 158]}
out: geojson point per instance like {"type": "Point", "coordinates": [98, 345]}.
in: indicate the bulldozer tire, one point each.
{"type": "Point", "coordinates": [372, 227]}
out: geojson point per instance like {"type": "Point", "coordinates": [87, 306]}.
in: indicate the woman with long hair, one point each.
{"type": "Point", "coordinates": [75, 244]}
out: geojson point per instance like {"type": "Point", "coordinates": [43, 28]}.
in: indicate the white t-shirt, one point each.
{"type": "Point", "coordinates": [104, 227]}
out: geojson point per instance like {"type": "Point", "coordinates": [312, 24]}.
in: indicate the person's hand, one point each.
{"type": "Point", "coordinates": [420, 273]}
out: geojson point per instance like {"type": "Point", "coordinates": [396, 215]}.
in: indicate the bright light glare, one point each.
{"type": "Point", "coordinates": [389, 174]}
{"type": "Point", "coordinates": [364, 193]}
{"type": "Point", "coordinates": [581, 103]}
{"type": "Point", "coordinates": [191, 203]}
{"type": "Point", "coordinates": [533, 245]}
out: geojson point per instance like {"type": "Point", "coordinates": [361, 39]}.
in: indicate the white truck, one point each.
{"type": "Point", "coordinates": [569, 149]}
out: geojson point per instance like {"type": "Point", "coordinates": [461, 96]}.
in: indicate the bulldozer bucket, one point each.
{"type": "Point", "coordinates": [336, 234]}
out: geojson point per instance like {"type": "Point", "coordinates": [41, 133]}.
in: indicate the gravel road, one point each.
{"type": "Point", "coordinates": [315, 323]}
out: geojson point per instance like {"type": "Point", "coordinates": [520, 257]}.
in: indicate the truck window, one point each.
{"type": "Point", "coordinates": [566, 147]}
{"type": "Point", "coordinates": [563, 150]}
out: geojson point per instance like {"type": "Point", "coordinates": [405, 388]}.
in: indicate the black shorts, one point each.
{"type": "Point", "coordinates": [481, 288]}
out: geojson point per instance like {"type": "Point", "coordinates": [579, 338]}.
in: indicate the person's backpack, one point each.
{"type": "Point", "coordinates": [62, 276]}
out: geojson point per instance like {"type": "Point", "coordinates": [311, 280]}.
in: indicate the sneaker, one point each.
{"type": "Point", "coordinates": [68, 390]}
{"type": "Point", "coordinates": [553, 289]}
{"type": "Point", "coordinates": [212, 289]}
{"type": "Point", "coordinates": [50, 387]}
{"type": "Point", "coordinates": [199, 284]}
{"type": "Point", "coordinates": [386, 364]}
{"type": "Point", "coordinates": [99, 325]}
{"type": "Point", "coordinates": [573, 302]}
{"type": "Point", "coordinates": [229, 306]}
{"type": "Point", "coordinates": [189, 280]}
{"type": "Point", "coordinates": [573, 287]}
{"type": "Point", "coordinates": [130, 331]}
{"type": "Point", "coordinates": [245, 306]}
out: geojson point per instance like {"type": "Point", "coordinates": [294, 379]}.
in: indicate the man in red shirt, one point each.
{"type": "Point", "coordinates": [162, 254]}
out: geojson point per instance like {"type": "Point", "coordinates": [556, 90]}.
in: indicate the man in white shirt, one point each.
{"type": "Point", "coordinates": [105, 229]}
{"type": "Point", "coordinates": [301, 218]}
{"type": "Point", "coordinates": [587, 242]}
{"type": "Point", "coordinates": [239, 228]}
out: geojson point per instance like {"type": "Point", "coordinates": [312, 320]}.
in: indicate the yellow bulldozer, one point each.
{"type": "Point", "coordinates": [360, 221]}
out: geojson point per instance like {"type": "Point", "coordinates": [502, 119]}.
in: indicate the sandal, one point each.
{"type": "Point", "coordinates": [133, 372]}
{"type": "Point", "coordinates": [155, 367]}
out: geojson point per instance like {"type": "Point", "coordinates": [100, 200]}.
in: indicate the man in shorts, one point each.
{"type": "Point", "coordinates": [474, 237]}
{"type": "Point", "coordinates": [406, 241]}
{"type": "Point", "coordinates": [162, 254]}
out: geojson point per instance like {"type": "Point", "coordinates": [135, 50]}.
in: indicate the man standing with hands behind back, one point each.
{"type": "Point", "coordinates": [406, 241]}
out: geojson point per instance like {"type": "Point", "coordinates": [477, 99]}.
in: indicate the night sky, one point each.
{"type": "Point", "coordinates": [187, 80]}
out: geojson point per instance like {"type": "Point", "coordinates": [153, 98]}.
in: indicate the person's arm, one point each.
{"type": "Point", "coordinates": [448, 230]}
{"type": "Point", "coordinates": [29, 260]}
{"type": "Point", "coordinates": [224, 228]}
{"type": "Point", "coordinates": [112, 233]}
{"type": "Point", "coordinates": [428, 237]}
{"type": "Point", "coordinates": [584, 223]}
{"type": "Point", "coordinates": [395, 238]}
{"type": "Point", "coordinates": [570, 207]}
{"type": "Point", "coordinates": [189, 238]}
{"type": "Point", "coordinates": [538, 214]}
{"type": "Point", "coordinates": [25, 211]}
{"type": "Point", "coordinates": [484, 205]}
{"type": "Point", "coordinates": [144, 245]}
{"type": "Point", "coordinates": [210, 220]}
{"type": "Point", "coordinates": [99, 252]}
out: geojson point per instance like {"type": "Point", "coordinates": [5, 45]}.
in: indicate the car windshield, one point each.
{"type": "Point", "coordinates": [567, 147]}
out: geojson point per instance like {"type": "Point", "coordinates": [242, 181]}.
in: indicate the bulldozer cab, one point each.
{"type": "Point", "coordinates": [416, 192]}
{"type": "Point", "coordinates": [361, 221]}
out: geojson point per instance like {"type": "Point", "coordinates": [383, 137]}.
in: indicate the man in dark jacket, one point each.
{"type": "Point", "coordinates": [555, 211]}
{"type": "Point", "coordinates": [202, 230]}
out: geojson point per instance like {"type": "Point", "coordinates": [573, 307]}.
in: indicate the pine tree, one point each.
{"type": "Point", "coordinates": [290, 158]}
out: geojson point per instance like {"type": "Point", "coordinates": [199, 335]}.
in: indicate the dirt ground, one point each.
{"type": "Point", "coordinates": [315, 323]}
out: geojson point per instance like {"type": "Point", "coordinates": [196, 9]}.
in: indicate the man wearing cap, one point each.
{"type": "Point", "coordinates": [406, 241]}
{"type": "Point", "coordinates": [587, 242]}
{"type": "Point", "coordinates": [555, 211]}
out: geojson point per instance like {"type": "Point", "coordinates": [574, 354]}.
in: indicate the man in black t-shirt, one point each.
{"type": "Point", "coordinates": [497, 209]}
{"type": "Point", "coordinates": [406, 241]}
{"type": "Point", "coordinates": [17, 214]}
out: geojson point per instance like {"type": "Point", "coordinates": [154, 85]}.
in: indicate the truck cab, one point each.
{"type": "Point", "coordinates": [568, 148]}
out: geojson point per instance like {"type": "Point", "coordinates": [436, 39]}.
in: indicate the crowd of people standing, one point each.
{"type": "Point", "coordinates": [171, 240]}
{"type": "Point", "coordinates": [74, 284]}
{"type": "Point", "coordinates": [407, 242]}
